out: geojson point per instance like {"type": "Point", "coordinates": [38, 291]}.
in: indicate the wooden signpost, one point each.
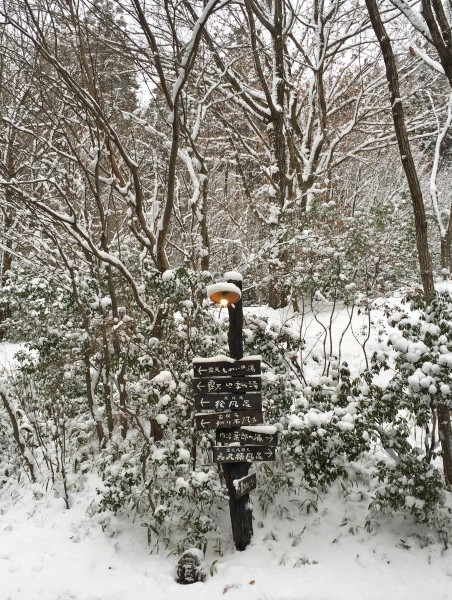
{"type": "Point", "coordinates": [245, 438]}
{"type": "Point", "coordinates": [219, 402]}
{"type": "Point", "coordinates": [228, 419]}
{"type": "Point", "coordinates": [228, 399]}
{"type": "Point", "coordinates": [244, 485]}
{"type": "Point", "coordinates": [204, 369]}
{"type": "Point", "coordinates": [234, 385]}
{"type": "Point", "coordinates": [231, 454]}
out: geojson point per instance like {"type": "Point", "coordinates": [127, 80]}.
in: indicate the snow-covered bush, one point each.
{"type": "Point", "coordinates": [412, 486]}
{"type": "Point", "coordinates": [109, 391]}
{"type": "Point", "coordinates": [341, 251]}
{"type": "Point", "coordinates": [325, 429]}
{"type": "Point", "coordinates": [320, 426]}
{"type": "Point", "coordinates": [94, 392]}
{"type": "Point", "coordinates": [162, 470]}
{"type": "Point", "coordinates": [418, 381]}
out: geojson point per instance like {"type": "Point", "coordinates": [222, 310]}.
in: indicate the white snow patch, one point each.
{"type": "Point", "coordinates": [222, 287]}
{"type": "Point", "coordinates": [233, 275]}
{"type": "Point", "coordinates": [224, 358]}
{"type": "Point", "coordinates": [161, 419]}
{"type": "Point", "coordinates": [168, 275]}
{"type": "Point", "coordinates": [264, 429]}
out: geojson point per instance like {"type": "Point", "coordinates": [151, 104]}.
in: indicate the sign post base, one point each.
{"type": "Point", "coordinates": [239, 508]}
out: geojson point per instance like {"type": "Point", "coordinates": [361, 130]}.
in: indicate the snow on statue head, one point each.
{"type": "Point", "coordinates": [190, 568]}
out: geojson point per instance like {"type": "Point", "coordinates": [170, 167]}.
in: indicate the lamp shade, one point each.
{"type": "Point", "coordinates": [224, 293]}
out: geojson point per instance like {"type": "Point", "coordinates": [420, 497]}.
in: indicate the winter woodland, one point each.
{"type": "Point", "coordinates": [146, 148]}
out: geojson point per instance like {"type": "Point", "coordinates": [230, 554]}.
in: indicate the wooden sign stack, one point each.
{"type": "Point", "coordinates": [228, 399]}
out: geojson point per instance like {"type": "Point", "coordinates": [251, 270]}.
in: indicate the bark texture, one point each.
{"type": "Point", "coordinates": [406, 155]}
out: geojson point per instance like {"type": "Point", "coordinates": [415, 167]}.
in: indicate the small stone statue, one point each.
{"type": "Point", "coordinates": [190, 568]}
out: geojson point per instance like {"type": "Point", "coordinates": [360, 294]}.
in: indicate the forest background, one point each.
{"type": "Point", "coordinates": [146, 148]}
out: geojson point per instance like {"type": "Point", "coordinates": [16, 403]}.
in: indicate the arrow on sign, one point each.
{"type": "Point", "coordinates": [245, 438]}
{"type": "Point", "coordinates": [217, 368]}
{"type": "Point", "coordinates": [232, 385]}
{"type": "Point", "coordinates": [228, 419]}
{"type": "Point", "coordinates": [243, 453]}
{"type": "Point", "coordinates": [220, 402]}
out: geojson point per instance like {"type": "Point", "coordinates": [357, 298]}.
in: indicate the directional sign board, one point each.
{"type": "Point", "coordinates": [246, 438]}
{"type": "Point", "coordinates": [244, 485]}
{"type": "Point", "coordinates": [221, 385]}
{"type": "Point", "coordinates": [226, 454]}
{"type": "Point", "coordinates": [221, 402]}
{"type": "Point", "coordinates": [228, 419]}
{"type": "Point", "coordinates": [212, 368]}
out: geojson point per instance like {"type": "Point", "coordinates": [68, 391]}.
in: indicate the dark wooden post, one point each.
{"type": "Point", "coordinates": [240, 508]}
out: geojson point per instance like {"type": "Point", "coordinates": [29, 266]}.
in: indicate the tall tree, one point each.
{"type": "Point", "coordinates": [444, 418]}
{"type": "Point", "coordinates": [433, 25]}
{"type": "Point", "coordinates": [406, 155]}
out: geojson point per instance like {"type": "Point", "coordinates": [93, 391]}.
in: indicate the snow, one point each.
{"type": "Point", "coordinates": [222, 287]}
{"type": "Point", "coordinates": [168, 275]}
{"type": "Point", "coordinates": [181, 483]}
{"type": "Point", "coordinates": [184, 455]}
{"type": "Point", "coordinates": [199, 554]}
{"type": "Point", "coordinates": [7, 352]}
{"type": "Point", "coordinates": [163, 378]}
{"type": "Point", "coordinates": [224, 358]}
{"type": "Point", "coordinates": [233, 275]}
{"type": "Point", "coordinates": [51, 553]}
{"type": "Point", "coordinates": [158, 453]}
{"type": "Point", "coordinates": [105, 302]}
{"type": "Point", "coordinates": [413, 16]}
{"type": "Point", "coordinates": [161, 419]}
{"type": "Point", "coordinates": [200, 476]}
{"type": "Point", "coordinates": [264, 429]}
{"type": "Point", "coordinates": [217, 358]}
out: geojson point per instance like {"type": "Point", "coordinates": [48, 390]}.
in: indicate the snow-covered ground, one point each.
{"type": "Point", "coordinates": [50, 553]}
{"type": "Point", "coordinates": [7, 352]}
{"type": "Point", "coordinates": [327, 331]}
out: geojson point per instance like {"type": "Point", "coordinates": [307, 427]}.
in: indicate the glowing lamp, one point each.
{"type": "Point", "coordinates": [224, 294]}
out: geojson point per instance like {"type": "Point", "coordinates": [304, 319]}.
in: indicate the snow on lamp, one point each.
{"type": "Point", "coordinates": [224, 294]}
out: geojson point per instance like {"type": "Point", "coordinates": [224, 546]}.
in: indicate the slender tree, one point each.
{"type": "Point", "coordinates": [443, 413]}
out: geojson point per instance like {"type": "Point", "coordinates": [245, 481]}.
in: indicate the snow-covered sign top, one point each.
{"type": "Point", "coordinates": [233, 275]}
{"type": "Point", "coordinates": [223, 287]}
{"type": "Point", "coordinates": [264, 429]}
{"type": "Point", "coordinates": [223, 358]}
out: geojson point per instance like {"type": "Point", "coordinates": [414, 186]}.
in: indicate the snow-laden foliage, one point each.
{"type": "Point", "coordinates": [411, 403]}
{"type": "Point", "coordinates": [99, 388]}
{"type": "Point", "coordinates": [342, 252]}
{"type": "Point", "coordinates": [146, 450]}
{"type": "Point", "coordinates": [325, 429]}
{"type": "Point", "coordinates": [422, 344]}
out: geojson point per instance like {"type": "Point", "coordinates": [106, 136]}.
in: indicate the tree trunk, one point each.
{"type": "Point", "coordinates": [7, 260]}
{"type": "Point", "coordinates": [18, 437]}
{"type": "Point", "coordinates": [443, 413]}
{"type": "Point", "coordinates": [445, 436]}
{"type": "Point", "coordinates": [409, 167]}
{"type": "Point", "coordinates": [445, 254]}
